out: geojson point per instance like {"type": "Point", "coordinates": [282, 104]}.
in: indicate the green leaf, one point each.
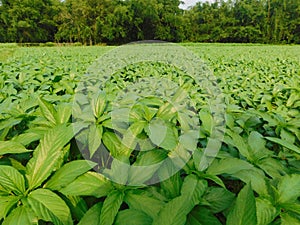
{"type": "Point", "coordinates": [166, 111]}
{"type": "Point", "coordinates": [77, 205]}
{"type": "Point", "coordinates": [257, 144]}
{"type": "Point", "coordinates": [291, 207]}
{"type": "Point", "coordinates": [12, 180]}
{"type": "Point", "coordinates": [272, 167]}
{"type": "Point", "coordinates": [49, 207]}
{"type": "Point", "coordinates": [130, 137]}
{"type": "Point", "coordinates": [239, 143]}
{"type": "Point", "coordinates": [185, 121]}
{"type": "Point", "coordinates": [9, 123]}
{"type": "Point", "coordinates": [11, 147]}
{"type": "Point", "coordinates": [207, 120]}
{"type": "Point", "coordinates": [92, 216]}
{"type": "Point", "coordinates": [189, 139]}
{"type": "Point", "coordinates": [295, 96]}
{"type": "Point", "coordinates": [218, 199]}
{"type": "Point", "coordinates": [179, 156]}
{"type": "Point", "coordinates": [228, 166]}
{"type": "Point", "coordinates": [202, 216]}
{"type": "Point", "coordinates": [287, 219]}
{"type": "Point", "coordinates": [172, 185]}
{"type": "Point", "coordinates": [209, 154]}
{"type": "Point", "coordinates": [139, 200]}
{"type": "Point", "coordinates": [132, 217]}
{"type": "Point", "coordinates": [111, 207]}
{"type": "Point", "coordinates": [98, 104]}
{"type": "Point", "coordinates": [213, 178]}
{"type": "Point", "coordinates": [244, 210]}
{"type": "Point", "coordinates": [146, 165]}
{"type": "Point", "coordinates": [289, 188]}
{"type": "Point", "coordinates": [114, 145]}
{"type": "Point", "coordinates": [161, 134]}
{"type": "Point", "coordinates": [88, 184]}
{"type": "Point", "coordinates": [27, 138]}
{"type": "Point", "coordinates": [48, 110]}
{"type": "Point", "coordinates": [176, 211]}
{"type": "Point", "coordinates": [6, 203]}
{"type": "Point", "coordinates": [284, 143]}
{"type": "Point", "coordinates": [21, 215]}
{"type": "Point", "coordinates": [64, 111]}
{"type": "Point", "coordinates": [47, 155]}
{"type": "Point", "coordinates": [265, 211]}
{"type": "Point", "coordinates": [257, 179]}
{"type": "Point", "coordinates": [119, 171]}
{"type": "Point", "coordinates": [94, 138]}
{"type": "Point", "coordinates": [68, 173]}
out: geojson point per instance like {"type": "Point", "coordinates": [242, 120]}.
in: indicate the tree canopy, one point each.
{"type": "Point", "coordinates": [122, 21]}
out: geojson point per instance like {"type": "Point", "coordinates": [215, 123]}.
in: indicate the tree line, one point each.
{"type": "Point", "coordinates": [123, 21]}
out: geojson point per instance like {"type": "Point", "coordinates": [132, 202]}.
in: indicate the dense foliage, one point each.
{"type": "Point", "coordinates": [254, 179]}
{"type": "Point", "coordinates": [122, 21]}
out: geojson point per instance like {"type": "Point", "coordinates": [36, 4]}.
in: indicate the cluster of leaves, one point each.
{"type": "Point", "coordinates": [253, 179]}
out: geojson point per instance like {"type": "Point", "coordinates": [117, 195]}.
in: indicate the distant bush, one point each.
{"type": "Point", "coordinates": [8, 45]}
{"type": "Point", "coordinates": [49, 44]}
{"type": "Point", "coordinates": [77, 44]}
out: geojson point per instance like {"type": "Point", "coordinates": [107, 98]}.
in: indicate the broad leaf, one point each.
{"type": "Point", "coordinates": [94, 138]}
{"type": "Point", "coordinates": [21, 215]}
{"type": "Point", "coordinates": [170, 180]}
{"type": "Point", "coordinates": [289, 188]}
{"type": "Point", "coordinates": [254, 176]}
{"type": "Point", "coordinates": [272, 167]}
{"type": "Point", "coordinates": [111, 207]}
{"type": "Point", "coordinates": [209, 154]}
{"type": "Point", "coordinates": [146, 165]}
{"type": "Point", "coordinates": [6, 203]}
{"type": "Point", "coordinates": [90, 183]}
{"type": "Point", "coordinates": [92, 216]}
{"type": "Point", "coordinates": [189, 139]}
{"type": "Point", "coordinates": [130, 137]}
{"type": "Point", "coordinates": [206, 120]}
{"type": "Point", "coordinates": [48, 110]}
{"type": "Point", "coordinates": [287, 219]}
{"type": "Point", "coordinates": [11, 147]}
{"type": "Point", "coordinates": [12, 180]}
{"type": "Point", "coordinates": [49, 207]}
{"type": "Point", "coordinates": [46, 156]}
{"type": "Point", "coordinates": [244, 210]}
{"type": "Point", "coordinates": [114, 145]}
{"type": "Point", "coordinates": [68, 173]}
{"type": "Point", "coordinates": [265, 211]}
{"type": "Point", "coordinates": [98, 104]}
{"type": "Point", "coordinates": [284, 143]}
{"type": "Point", "coordinates": [202, 216]}
{"type": "Point", "coordinates": [161, 134]}
{"type": "Point", "coordinates": [257, 144]}
{"type": "Point", "coordinates": [291, 207]}
{"type": "Point", "coordinates": [143, 202]}
{"type": "Point", "coordinates": [77, 205]}
{"type": "Point", "coordinates": [228, 166]}
{"type": "Point", "coordinates": [27, 138]}
{"type": "Point", "coordinates": [176, 211]}
{"type": "Point", "coordinates": [211, 177]}
{"type": "Point", "coordinates": [132, 217]}
{"type": "Point", "coordinates": [239, 143]}
{"type": "Point", "coordinates": [218, 199]}
{"type": "Point", "coordinates": [17, 165]}
{"type": "Point", "coordinates": [64, 111]}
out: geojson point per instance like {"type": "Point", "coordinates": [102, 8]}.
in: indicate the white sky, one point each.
{"type": "Point", "coordinates": [188, 3]}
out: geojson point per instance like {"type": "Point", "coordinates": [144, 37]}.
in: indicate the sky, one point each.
{"type": "Point", "coordinates": [188, 3]}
